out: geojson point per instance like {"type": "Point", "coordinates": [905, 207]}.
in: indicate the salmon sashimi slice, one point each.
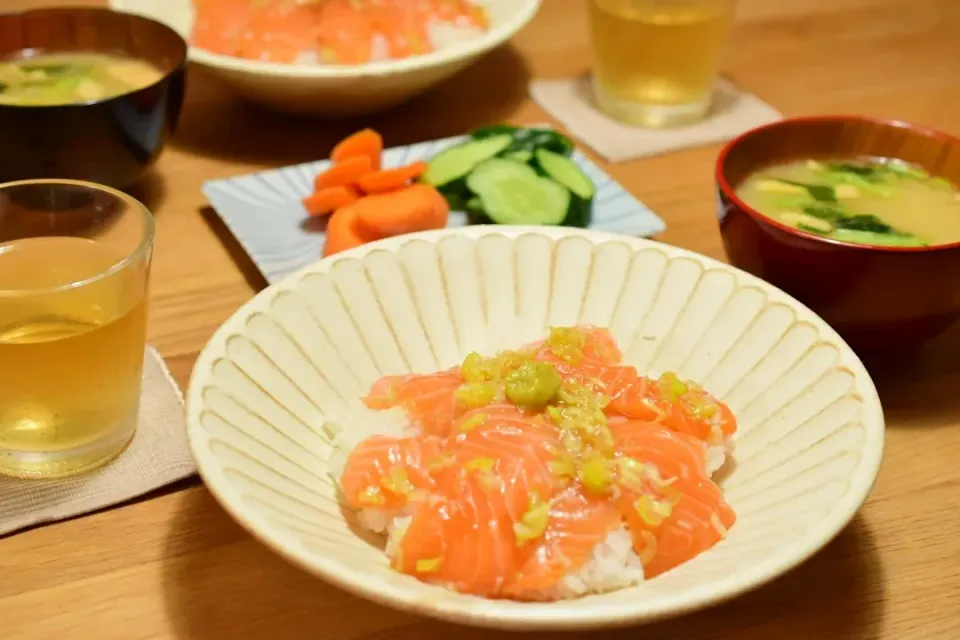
{"type": "Point", "coordinates": [459, 12]}
{"type": "Point", "coordinates": [673, 510]}
{"type": "Point", "coordinates": [461, 538]}
{"type": "Point", "coordinates": [680, 405]}
{"type": "Point", "coordinates": [576, 347]}
{"type": "Point", "coordinates": [699, 520]}
{"type": "Point", "coordinates": [385, 472]}
{"type": "Point", "coordinates": [218, 24]}
{"type": "Point", "coordinates": [517, 449]}
{"type": "Point", "coordinates": [280, 33]}
{"type": "Point", "coordinates": [577, 524]}
{"type": "Point", "coordinates": [428, 400]}
{"type": "Point", "coordinates": [345, 33]}
{"type": "Point", "coordinates": [590, 356]}
{"type": "Point", "coordinates": [674, 454]}
{"type": "Point", "coordinates": [403, 28]}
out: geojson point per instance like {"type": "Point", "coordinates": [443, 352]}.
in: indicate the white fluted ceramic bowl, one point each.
{"type": "Point", "coordinates": [335, 90]}
{"type": "Point", "coordinates": [811, 427]}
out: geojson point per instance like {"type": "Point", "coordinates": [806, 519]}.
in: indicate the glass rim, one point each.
{"type": "Point", "coordinates": [146, 241]}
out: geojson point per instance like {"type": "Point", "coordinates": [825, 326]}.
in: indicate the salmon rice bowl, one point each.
{"type": "Point", "coordinates": [543, 473]}
{"type": "Point", "coordinates": [334, 32]}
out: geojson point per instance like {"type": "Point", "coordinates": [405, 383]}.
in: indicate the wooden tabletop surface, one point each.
{"type": "Point", "coordinates": [174, 565]}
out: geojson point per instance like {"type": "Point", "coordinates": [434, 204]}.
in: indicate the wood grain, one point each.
{"type": "Point", "coordinates": [174, 565]}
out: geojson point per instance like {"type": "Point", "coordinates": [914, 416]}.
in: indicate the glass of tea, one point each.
{"type": "Point", "coordinates": [656, 61]}
{"type": "Point", "coordinates": [74, 265]}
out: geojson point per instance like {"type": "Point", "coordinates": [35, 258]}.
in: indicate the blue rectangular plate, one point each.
{"type": "Point", "coordinates": [264, 211]}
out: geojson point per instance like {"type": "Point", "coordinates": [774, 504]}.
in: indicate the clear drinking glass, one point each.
{"type": "Point", "coordinates": [656, 61]}
{"type": "Point", "coordinates": [74, 266]}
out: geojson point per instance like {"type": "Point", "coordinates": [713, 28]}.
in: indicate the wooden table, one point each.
{"type": "Point", "coordinates": [174, 565]}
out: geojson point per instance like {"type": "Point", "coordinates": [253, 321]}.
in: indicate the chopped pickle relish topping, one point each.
{"type": "Point", "coordinates": [576, 409]}
{"type": "Point", "coordinates": [474, 395]}
{"type": "Point", "coordinates": [429, 565]}
{"type": "Point", "coordinates": [371, 496]}
{"type": "Point", "coordinates": [398, 482]}
{"type": "Point", "coordinates": [534, 521]}
{"type": "Point", "coordinates": [533, 385]}
{"type": "Point", "coordinates": [567, 343]}
{"type": "Point", "coordinates": [482, 463]}
{"type": "Point", "coordinates": [473, 422]}
{"type": "Point", "coordinates": [697, 402]}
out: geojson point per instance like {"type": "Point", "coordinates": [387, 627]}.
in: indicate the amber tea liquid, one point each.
{"type": "Point", "coordinates": [70, 355]}
{"type": "Point", "coordinates": [656, 61]}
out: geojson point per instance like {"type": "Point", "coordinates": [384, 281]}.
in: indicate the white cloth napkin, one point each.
{"type": "Point", "coordinates": [570, 101]}
{"type": "Point", "coordinates": [157, 456]}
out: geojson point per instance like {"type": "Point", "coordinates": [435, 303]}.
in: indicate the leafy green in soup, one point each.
{"type": "Point", "coordinates": [72, 78]}
{"type": "Point", "coordinates": [871, 201]}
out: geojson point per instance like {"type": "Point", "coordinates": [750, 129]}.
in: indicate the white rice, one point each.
{"type": "Point", "coordinates": [381, 48]}
{"type": "Point", "coordinates": [444, 35]}
{"type": "Point", "coordinates": [613, 565]}
{"type": "Point", "coordinates": [375, 520]}
{"type": "Point", "coordinates": [717, 455]}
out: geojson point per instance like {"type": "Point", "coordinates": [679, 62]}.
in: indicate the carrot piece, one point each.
{"type": "Point", "coordinates": [330, 199]}
{"type": "Point", "coordinates": [415, 208]}
{"type": "Point", "coordinates": [343, 174]}
{"type": "Point", "coordinates": [367, 143]}
{"type": "Point", "coordinates": [344, 231]}
{"type": "Point", "coordinates": [391, 179]}
{"type": "Point", "coordinates": [441, 210]}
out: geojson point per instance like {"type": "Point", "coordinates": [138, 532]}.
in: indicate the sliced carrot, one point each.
{"type": "Point", "coordinates": [330, 199]}
{"type": "Point", "coordinates": [344, 231]}
{"type": "Point", "coordinates": [367, 143]}
{"type": "Point", "coordinates": [391, 179]}
{"type": "Point", "coordinates": [343, 174]}
{"type": "Point", "coordinates": [416, 208]}
{"type": "Point", "coordinates": [441, 210]}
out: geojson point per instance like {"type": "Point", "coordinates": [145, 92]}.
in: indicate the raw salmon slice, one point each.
{"type": "Point", "coordinates": [218, 24]}
{"type": "Point", "coordinates": [384, 472]}
{"type": "Point", "coordinates": [428, 400]}
{"type": "Point", "coordinates": [673, 473]}
{"type": "Point", "coordinates": [574, 348]}
{"type": "Point", "coordinates": [403, 28]}
{"type": "Point", "coordinates": [280, 33]}
{"type": "Point", "coordinates": [577, 524]}
{"type": "Point", "coordinates": [462, 537]}
{"type": "Point", "coordinates": [345, 32]}
{"type": "Point", "coordinates": [517, 449]}
{"type": "Point", "coordinates": [679, 405]}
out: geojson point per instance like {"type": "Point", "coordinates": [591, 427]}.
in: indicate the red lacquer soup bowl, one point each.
{"type": "Point", "coordinates": [880, 299]}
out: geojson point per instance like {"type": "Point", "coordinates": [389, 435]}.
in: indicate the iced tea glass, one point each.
{"type": "Point", "coordinates": [74, 266]}
{"type": "Point", "coordinates": [656, 61]}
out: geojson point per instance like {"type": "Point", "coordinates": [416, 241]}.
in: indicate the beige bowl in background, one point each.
{"type": "Point", "coordinates": [338, 90]}
{"type": "Point", "coordinates": [297, 357]}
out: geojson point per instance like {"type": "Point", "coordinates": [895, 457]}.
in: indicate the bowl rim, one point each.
{"type": "Point", "coordinates": [526, 10]}
{"type": "Point", "coordinates": [501, 614]}
{"type": "Point", "coordinates": [724, 186]}
{"type": "Point", "coordinates": [178, 67]}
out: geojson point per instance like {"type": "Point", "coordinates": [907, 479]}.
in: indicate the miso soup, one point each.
{"type": "Point", "coordinates": [68, 78]}
{"type": "Point", "coordinates": [865, 200]}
